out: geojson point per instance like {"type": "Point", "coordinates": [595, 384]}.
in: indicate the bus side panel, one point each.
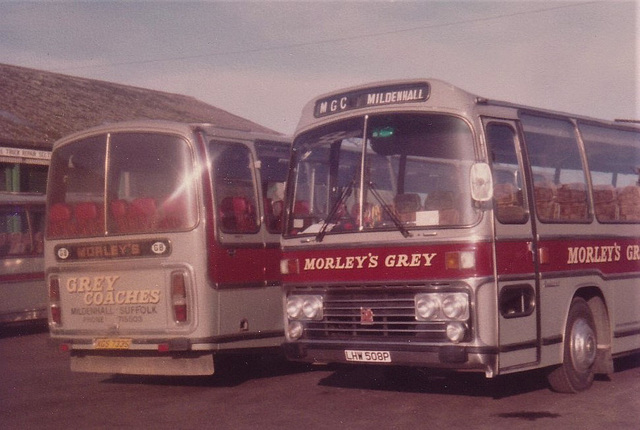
{"type": "Point", "coordinates": [251, 317]}
{"type": "Point", "coordinates": [238, 264]}
{"type": "Point", "coordinates": [626, 328]}
{"type": "Point", "coordinates": [517, 304]}
{"type": "Point", "coordinates": [249, 296]}
{"type": "Point", "coordinates": [23, 295]}
{"type": "Point", "coordinates": [595, 264]}
{"type": "Point", "coordinates": [273, 255]}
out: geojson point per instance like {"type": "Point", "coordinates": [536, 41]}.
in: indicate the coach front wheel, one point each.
{"type": "Point", "coordinates": [580, 346]}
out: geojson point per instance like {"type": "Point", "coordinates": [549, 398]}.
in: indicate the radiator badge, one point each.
{"type": "Point", "coordinates": [366, 316]}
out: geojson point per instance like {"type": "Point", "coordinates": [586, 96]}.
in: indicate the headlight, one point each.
{"type": "Point", "coordinates": [294, 330]}
{"type": "Point", "coordinates": [304, 307]}
{"type": "Point", "coordinates": [442, 306]}
{"type": "Point", "coordinates": [455, 306]}
{"type": "Point", "coordinates": [294, 307]}
{"type": "Point", "coordinates": [427, 307]}
{"type": "Point", "coordinates": [456, 331]}
{"type": "Point", "coordinates": [312, 307]}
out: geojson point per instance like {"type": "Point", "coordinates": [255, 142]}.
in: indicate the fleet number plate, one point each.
{"type": "Point", "coordinates": [112, 343]}
{"type": "Point", "coordinates": [368, 356]}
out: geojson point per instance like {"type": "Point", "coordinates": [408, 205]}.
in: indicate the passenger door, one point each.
{"type": "Point", "coordinates": [515, 250]}
{"type": "Point", "coordinates": [239, 256]}
{"type": "Point", "coordinates": [249, 312]}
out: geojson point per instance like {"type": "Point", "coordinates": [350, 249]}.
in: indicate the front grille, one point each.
{"type": "Point", "coordinates": [373, 313]}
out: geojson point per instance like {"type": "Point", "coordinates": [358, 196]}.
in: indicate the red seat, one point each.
{"type": "Point", "coordinates": [301, 207]}
{"type": "Point", "coordinates": [141, 214]}
{"type": "Point", "coordinates": [60, 212]}
{"type": "Point", "coordinates": [60, 220]}
{"type": "Point", "coordinates": [89, 219]}
{"type": "Point", "coordinates": [119, 209]}
{"type": "Point", "coordinates": [145, 206]}
{"type": "Point", "coordinates": [237, 215]}
{"type": "Point", "coordinates": [86, 211]}
{"type": "Point", "coordinates": [175, 212]}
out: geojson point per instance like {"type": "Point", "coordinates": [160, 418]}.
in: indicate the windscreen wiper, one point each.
{"type": "Point", "coordinates": [346, 192]}
{"type": "Point", "coordinates": [385, 207]}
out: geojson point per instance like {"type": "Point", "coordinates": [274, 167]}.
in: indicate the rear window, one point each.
{"type": "Point", "coordinates": [148, 188]}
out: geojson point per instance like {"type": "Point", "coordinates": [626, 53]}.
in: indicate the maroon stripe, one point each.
{"type": "Point", "coordinates": [22, 277]}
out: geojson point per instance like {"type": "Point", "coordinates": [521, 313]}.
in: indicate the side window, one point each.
{"type": "Point", "coordinates": [37, 222]}
{"type": "Point", "coordinates": [560, 187]}
{"type": "Point", "coordinates": [274, 167]}
{"type": "Point", "coordinates": [507, 174]}
{"type": "Point", "coordinates": [23, 177]}
{"type": "Point", "coordinates": [15, 238]}
{"type": "Point", "coordinates": [235, 188]}
{"type": "Point", "coordinates": [614, 162]}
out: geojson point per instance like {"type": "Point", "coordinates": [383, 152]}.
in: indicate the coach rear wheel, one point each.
{"type": "Point", "coordinates": [580, 347]}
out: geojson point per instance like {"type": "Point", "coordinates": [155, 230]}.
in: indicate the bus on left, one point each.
{"type": "Point", "coordinates": [162, 246]}
{"type": "Point", "coordinates": [23, 296]}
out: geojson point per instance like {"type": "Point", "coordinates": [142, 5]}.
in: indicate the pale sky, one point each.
{"type": "Point", "coordinates": [264, 60]}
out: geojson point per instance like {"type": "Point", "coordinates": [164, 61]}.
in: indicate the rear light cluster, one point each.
{"type": "Point", "coordinates": [179, 300]}
{"type": "Point", "coordinates": [54, 301]}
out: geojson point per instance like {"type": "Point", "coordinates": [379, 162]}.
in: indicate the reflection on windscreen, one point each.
{"type": "Point", "coordinates": [414, 173]}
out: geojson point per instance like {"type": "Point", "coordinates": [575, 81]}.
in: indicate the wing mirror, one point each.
{"type": "Point", "coordinates": [481, 183]}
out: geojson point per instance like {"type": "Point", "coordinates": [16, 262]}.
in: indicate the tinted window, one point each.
{"type": "Point", "coordinates": [560, 188]}
{"type": "Point", "coordinates": [274, 167]}
{"type": "Point", "coordinates": [614, 162]}
{"type": "Point", "coordinates": [235, 188]}
{"type": "Point", "coordinates": [507, 175]}
{"type": "Point", "coordinates": [150, 186]}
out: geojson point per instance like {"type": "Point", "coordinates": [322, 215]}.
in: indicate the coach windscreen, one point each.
{"type": "Point", "coordinates": [396, 171]}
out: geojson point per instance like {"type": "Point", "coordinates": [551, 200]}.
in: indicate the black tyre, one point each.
{"type": "Point", "coordinates": [580, 346]}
